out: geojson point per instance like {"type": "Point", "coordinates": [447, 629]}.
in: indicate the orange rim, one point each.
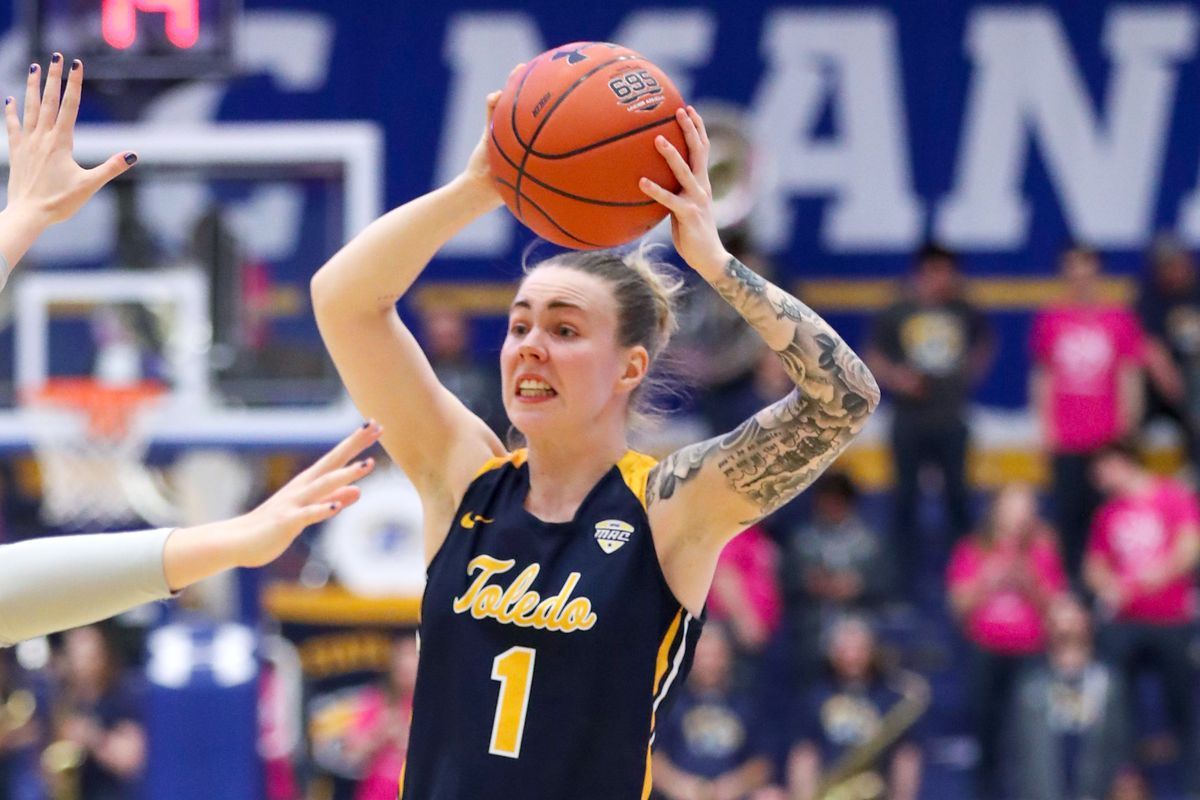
{"type": "Point", "coordinates": [108, 407]}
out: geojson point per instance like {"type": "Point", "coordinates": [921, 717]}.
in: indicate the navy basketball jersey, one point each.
{"type": "Point", "coordinates": [546, 648]}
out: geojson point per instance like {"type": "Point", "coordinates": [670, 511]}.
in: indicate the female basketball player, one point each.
{"type": "Point", "coordinates": [565, 579]}
{"type": "Point", "coordinates": [51, 584]}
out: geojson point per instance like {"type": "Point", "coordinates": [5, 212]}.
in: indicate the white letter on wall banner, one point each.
{"type": "Point", "coordinates": [1026, 88]}
{"type": "Point", "coordinates": [847, 59]}
{"type": "Point", "coordinates": [481, 49]}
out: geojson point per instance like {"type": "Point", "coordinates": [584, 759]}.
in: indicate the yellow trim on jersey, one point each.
{"type": "Point", "coordinates": [635, 470]}
{"type": "Point", "coordinates": [403, 767]}
{"type": "Point", "coordinates": [516, 458]}
{"type": "Point", "coordinates": [660, 666]}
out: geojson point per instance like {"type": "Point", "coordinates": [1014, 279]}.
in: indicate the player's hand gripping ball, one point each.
{"type": "Point", "coordinates": [572, 134]}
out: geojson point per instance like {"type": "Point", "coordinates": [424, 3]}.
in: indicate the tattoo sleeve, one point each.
{"type": "Point", "coordinates": [774, 455]}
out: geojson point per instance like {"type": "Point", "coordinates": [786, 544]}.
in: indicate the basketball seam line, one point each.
{"type": "Point", "coordinates": [549, 218]}
{"type": "Point", "coordinates": [648, 126]}
{"type": "Point", "coordinates": [563, 192]}
{"type": "Point", "coordinates": [549, 112]}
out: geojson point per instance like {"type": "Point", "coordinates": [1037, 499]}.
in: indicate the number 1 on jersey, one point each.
{"type": "Point", "coordinates": [514, 669]}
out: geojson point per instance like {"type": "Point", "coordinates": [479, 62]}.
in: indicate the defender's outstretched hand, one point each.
{"type": "Point", "coordinates": [60, 582]}
{"type": "Point", "coordinates": [261, 535]}
{"type": "Point", "coordinates": [693, 226]}
{"type": "Point", "coordinates": [45, 184]}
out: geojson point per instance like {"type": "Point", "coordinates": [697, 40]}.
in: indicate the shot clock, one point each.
{"type": "Point", "coordinates": [133, 40]}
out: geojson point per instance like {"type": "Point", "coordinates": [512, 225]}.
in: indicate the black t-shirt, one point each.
{"type": "Point", "coordinates": [1174, 318]}
{"type": "Point", "coordinates": [122, 703]}
{"type": "Point", "coordinates": [837, 718]}
{"type": "Point", "coordinates": [935, 341]}
{"type": "Point", "coordinates": [711, 734]}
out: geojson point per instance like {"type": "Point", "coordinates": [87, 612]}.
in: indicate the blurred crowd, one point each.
{"type": "Point", "coordinates": [1039, 638]}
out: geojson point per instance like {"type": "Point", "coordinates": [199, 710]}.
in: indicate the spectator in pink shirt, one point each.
{"type": "Point", "coordinates": [1141, 562]}
{"type": "Point", "coordinates": [745, 591]}
{"type": "Point", "coordinates": [1001, 581]}
{"type": "Point", "coordinates": [380, 739]}
{"type": "Point", "coordinates": [1086, 389]}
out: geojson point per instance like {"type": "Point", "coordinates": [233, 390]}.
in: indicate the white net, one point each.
{"type": "Point", "coordinates": [92, 464]}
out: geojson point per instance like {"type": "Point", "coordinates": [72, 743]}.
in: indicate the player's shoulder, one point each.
{"type": "Point", "coordinates": [512, 459]}
{"type": "Point", "coordinates": [635, 469]}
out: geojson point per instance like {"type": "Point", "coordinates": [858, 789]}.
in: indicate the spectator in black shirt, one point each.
{"type": "Point", "coordinates": [1169, 308]}
{"type": "Point", "coordinates": [928, 351]}
{"type": "Point", "coordinates": [98, 715]}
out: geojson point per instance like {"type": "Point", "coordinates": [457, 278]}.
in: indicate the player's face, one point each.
{"type": "Point", "coordinates": [1081, 271]}
{"type": "Point", "coordinates": [561, 367]}
{"type": "Point", "coordinates": [711, 662]}
{"type": "Point", "coordinates": [1014, 512]}
{"type": "Point", "coordinates": [1111, 474]}
{"type": "Point", "coordinates": [404, 664]}
{"type": "Point", "coordinates": [852, 651]}
{"type": "Point", "coordinates": [86, 656]}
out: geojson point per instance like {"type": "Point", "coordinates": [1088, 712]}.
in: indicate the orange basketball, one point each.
{"type": "Point", "coordinates": [572, 134]}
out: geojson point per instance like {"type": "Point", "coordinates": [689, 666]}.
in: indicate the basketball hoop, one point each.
{"type": "Point", "coordinates": [91, 441]}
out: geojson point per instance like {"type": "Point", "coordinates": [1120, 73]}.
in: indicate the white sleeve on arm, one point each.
{"type": "Point", "coordinates": [61, 582]}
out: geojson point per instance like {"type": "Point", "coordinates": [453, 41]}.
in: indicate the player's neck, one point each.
{"type": "Point", "coordinates": [561, 473]}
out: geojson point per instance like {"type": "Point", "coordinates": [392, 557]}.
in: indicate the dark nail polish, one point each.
{"type": "Point", "coordinates": [333, 506]}
{"type": "Point", "coordinates": [57, 57]}
{"type": "Point", "coordinates": [76, 64]}
{"type": "Point", "coordinates": [131, 158]}
{"type": "Point", "coordinates": [366, 424]}
{"type": "Point", "coordinates": [32, 68]}
{"type": "Point", "coordinates": [7, 100]}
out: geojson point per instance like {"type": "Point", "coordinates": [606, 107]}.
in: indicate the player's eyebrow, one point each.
{"type": "Point", "coordinates": [553, 304]}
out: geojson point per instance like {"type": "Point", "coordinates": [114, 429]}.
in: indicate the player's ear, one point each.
{"type": "Point", "coordinates": [637, 364]}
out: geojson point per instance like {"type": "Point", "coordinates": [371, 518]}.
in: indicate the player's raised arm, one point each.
{"type": "Point", "coordinates": [431, 435]}
{"type": "Point", "coordinates": [61, 582]}
{"type": "Point", "coordinates": [45, 185]}
{"type": "Point", "coordinates": [710, 491]}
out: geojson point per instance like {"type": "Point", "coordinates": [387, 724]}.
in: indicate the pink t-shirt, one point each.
{"type": "Point", "coordinates": [752, 556]}
{"type": "Point", "coordinates": [383, 773]}
{"type": "Point", "coordinates": [1082, 348]}
{"type": "Point", "coordinates": [1135, 534]}
{"type": "Point", "coordinates": [1007, 621]}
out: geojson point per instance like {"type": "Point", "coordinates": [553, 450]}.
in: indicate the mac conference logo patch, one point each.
{"type": "Point", "coordinates": [611, 534]}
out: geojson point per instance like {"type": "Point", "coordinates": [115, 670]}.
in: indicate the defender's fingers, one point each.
{"type": "Point", "coordinates": [345, 496]}
{"type": "Point", "coordinates": [50, 96]}
{"type": "Point", "coordinates": [332, 481]}
{"type": "Point", "coordinates": [672, 202]}
{"type": "Point", "coordinates": [363, 437]}
{"type": "Point", "coordinates": [114, 166]}
{"type": "Point", "coordinates": [70, 100]}
{"type": "Point", "coordinates": [311, 515]}
{"type": "Point", "coordinates": [33, 97]}
{"type": "Point", "coordinates": [11, 123]}
{"type": "Point", "coordinates": [683, 172]}
{"type": "Point", "coordinates": [328, 507]}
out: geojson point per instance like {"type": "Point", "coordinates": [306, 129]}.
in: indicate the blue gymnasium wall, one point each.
{"type": "Point", "coordinates": [417, 68]}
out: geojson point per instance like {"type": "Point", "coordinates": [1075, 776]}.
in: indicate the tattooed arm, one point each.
{"type": "Point", "coordinates": [771, 457]}
{"type": "Point", "coordinates": [701, 496]}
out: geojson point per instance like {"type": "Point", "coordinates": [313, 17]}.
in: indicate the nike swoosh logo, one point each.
{"type": "Point", "coordinates": [469, 519]}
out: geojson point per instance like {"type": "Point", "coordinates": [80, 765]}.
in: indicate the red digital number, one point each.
{"type": "Point", "coordinates": [119, 20]}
